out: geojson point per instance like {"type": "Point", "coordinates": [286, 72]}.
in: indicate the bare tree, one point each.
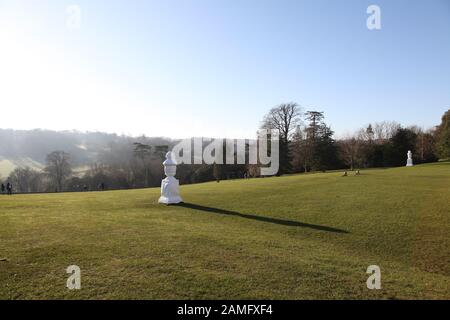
{"type": "Point", "coordinates": [385, 130]}
{"type": "Point", "coordinates": [350, 151]}
{"type": "Point", "coordinates": [367, 134]}
{"type": "Point", "coordinates": [284, 118]}
{"type": "Point", "coordinates": [144, 153]}
{"type": "Point", "coordinates": [58, 168]}
{"type": "Point", "coordinates": [26, 179]}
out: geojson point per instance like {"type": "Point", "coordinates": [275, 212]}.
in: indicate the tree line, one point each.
{"type": "Point", "coordinates": [306, 144]}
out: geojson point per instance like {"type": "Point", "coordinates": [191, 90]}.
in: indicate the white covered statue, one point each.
{"type": "Point", "coordinates": [170, 187]}
{"type": "Point", "coordinates": [409, 161]}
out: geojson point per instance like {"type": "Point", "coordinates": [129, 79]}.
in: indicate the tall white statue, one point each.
{"type": "Point", "coordinates": [170, 187]}
{"type": "Point", "coordinates": [409, 161]}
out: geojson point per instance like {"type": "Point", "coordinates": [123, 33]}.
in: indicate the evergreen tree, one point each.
{"type": "Point", "coordinates": [443, 137]}
{"type": "Point", "coordinates": [399, 145]}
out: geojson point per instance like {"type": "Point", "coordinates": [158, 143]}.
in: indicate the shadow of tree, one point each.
{"type": "Point", "coordinates": [262, 218]}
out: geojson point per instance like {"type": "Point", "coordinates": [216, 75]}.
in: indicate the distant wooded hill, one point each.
{"type": "Point", "coordinates": [29, 148]}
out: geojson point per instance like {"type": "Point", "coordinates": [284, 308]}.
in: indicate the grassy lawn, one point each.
{"type": "Point", "coordinates": [292, 237]}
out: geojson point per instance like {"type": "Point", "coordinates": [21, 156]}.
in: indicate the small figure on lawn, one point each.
{"type": "Point", "coordinates": [9, 188]}
{"type": "Point", "coordinates": [345, 174]}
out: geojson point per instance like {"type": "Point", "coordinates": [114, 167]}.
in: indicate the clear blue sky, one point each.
{"type": "Point", "coordinates": [215, 67]}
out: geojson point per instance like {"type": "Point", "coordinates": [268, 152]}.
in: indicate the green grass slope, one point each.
{"type": "Point", "coordinates": [293, 237]}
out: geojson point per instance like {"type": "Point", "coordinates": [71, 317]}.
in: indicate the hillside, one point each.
{"type": "Point", "coordinates": [291, 237]}
{"type": "Point", "coordinates": [20, 148]}
{"type": "Point", "coordinates": [8, 165]}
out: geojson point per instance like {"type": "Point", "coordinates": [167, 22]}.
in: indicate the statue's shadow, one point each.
{"type": "Point", "coordinates": [289, 223]}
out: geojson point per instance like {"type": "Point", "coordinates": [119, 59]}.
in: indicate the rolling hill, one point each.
{"type": "Point", "coordinates": [29, 148]}
{"type": "Point", "coordinates": [8, 165]}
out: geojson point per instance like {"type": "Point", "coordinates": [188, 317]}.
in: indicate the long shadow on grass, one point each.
{"type": "Point", "coordinates": [262, 218]}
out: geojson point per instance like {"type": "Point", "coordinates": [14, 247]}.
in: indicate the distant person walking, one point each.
{"type": "Point", "coordinates": [9, 188]}
{"type": "Point", "coordinates": [3, 188]}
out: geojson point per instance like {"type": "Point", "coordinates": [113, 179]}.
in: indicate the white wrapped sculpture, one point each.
{"type": "Point", "coordinates": [170, 187]}
{"type": "Point", "coordinates": [409, 161]}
